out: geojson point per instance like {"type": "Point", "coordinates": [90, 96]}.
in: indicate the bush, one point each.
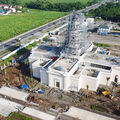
{"type": "Point", "coordinates": [100, 90]}
{"type": "Point", "coordinates": [94, 107]}
{"type": "Point", "coordinates": [101, 45]}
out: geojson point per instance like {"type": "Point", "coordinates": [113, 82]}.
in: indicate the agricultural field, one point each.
{"type": "Point", "coordinates": [61, 1]}
{"type": "Point", "coordinates": [13, 25]}
{"type": "Point", "coordinates": [71, 1]}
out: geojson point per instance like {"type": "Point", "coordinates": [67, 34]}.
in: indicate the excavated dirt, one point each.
{"type": "Point", "coordinates": [46, 103]}
{"type": "Point", "coordinates": [11, 76]}
{"type": "Point", "coordinates": [2, 118]}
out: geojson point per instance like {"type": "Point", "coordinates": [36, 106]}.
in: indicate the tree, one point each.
{"type": "Point", "coordinates": [110, 11]}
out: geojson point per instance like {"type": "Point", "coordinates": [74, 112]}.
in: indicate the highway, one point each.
{"type": "Point", "coordinates": [9, 43]}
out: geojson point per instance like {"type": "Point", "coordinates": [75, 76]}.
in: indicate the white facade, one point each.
{"type": "Point", "coordinates": [79, 65]}
{"type": "Point", "coordinates": [104, 30]}
{"type": "Point", "coordinates": [87, 71]}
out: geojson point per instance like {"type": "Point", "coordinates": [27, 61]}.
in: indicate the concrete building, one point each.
{"type": "Point", "coordinates": [79, 64]}
{"type": "Point", "coordinates": [4, 6]}
{"type": "Point", "coordinates": [90, 20]}
{"type": "Point", "coordinates": [104, 29]}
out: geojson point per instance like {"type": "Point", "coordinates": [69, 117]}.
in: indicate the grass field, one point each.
{"type": "Point", "coordinates": [62, 1]}
{"type": "Point", "coordinates": [13, 25]}
{"type": "Point", "coordinates": [71, 1]}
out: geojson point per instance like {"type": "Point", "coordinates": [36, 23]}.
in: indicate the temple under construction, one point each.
{"type": "Point", "coordinates": [76, 64]}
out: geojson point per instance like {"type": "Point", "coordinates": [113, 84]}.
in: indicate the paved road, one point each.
{"type": "Point", "coordinates": [13, 41]}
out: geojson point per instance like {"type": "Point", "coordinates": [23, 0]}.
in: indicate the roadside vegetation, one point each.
{"type": "Point", "coordinates": [23, 2]}
{"type": "Point", "coordinates": [56, 5]}
{"type": "Point", "coordinates": [15, 116]}
{"type": "Point", "coordinates": [62, 1]}
{"type": "Point", "coordinates": [60, 5]}
{"type": "Point", "coordinates": [13, 25]}
{"type": "Point", "coordinates": [110, 12]}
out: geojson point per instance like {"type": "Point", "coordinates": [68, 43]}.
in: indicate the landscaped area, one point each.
{"type": "Point", "coordinates": [13, 25]}
{"type": "Point", "coordinates": [15, 116]}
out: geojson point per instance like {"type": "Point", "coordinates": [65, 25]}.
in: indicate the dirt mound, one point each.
{"type": "Point", "coordinates": [2, 118]}
{"type": "Point", "coordinates": [11, 76]}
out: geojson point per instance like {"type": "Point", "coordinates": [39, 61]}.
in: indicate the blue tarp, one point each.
{"type": "Point", "coordinates": [1, 11]}
{"type": "Point", "coordinates": [103, 52]}
{"type": "Point", "coordinates": [24, 86]}
{"type": "Point", "coordinates": [40, 91]}
{"type": "Point", "coordinates": [49, 49]}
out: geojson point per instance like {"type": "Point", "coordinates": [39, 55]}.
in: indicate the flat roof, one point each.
{"type": "Point", "coordinates": [14, 93]}
{"type": "Point", "coordinates": [85, 115]}
{"type": "Point", "coordinates": [46, 49]}
{"type": "Point", "coordinates": [64, 64]}
{"type": "Point", "coordinates": [38, 114]}
{"type": "Point", "coordinates": [6, 107]}
{"type": "Point", "coordinates": [90, 72]}
{"type": "Point", "coordinates": [78, 71]}
{"type": "Point", "coordinates": [49, 64]}
{"type": "Point", "coordinates": [41, 62]}
{"type": "Point", "coordinates": [102, 59]}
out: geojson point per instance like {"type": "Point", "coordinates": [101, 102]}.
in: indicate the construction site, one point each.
{"type": "Point", "coordinates": [66, 77]}
{"type": "Point", "coordinates": [76, 63]}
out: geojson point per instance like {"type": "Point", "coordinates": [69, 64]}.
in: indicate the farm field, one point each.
{"type": "Point", "coordinates": [13, 25]}
{"type": "Point", "coordinates": [61, 1]}
{"type": "Point", "coordinates": [71, 1]}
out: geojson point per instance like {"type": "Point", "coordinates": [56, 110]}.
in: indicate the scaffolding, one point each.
{"type": "Point", "coordinates": [76, 39]}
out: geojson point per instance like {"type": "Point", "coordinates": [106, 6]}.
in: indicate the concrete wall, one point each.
{"type": "Point", "coordinates": [31, 61]}
{"type": "Point", "coordinates": [44, 76]}
{"type": "Point", "coordinates": [74, 84]}
{"type": "Point", "coordinates": [36, 71]}
{"type": "Point", "coordinates": [114, 72]}
{"type": "Point", "coordinates": [56, 77]}
{"type": "Point", "coordinates": [90, 81]}
{"type": "Point", "coordinates": [102, 77]}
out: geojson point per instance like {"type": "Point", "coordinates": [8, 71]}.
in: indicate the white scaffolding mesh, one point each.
{"type": "Point", "coordinates": [76, 38]}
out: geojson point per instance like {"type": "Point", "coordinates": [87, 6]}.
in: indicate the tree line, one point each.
{"type": "Point", "coordinates": [110, 12]}
{"type": "Point", "coordinates": [10, 2]}
{"type": "Point", "coordinates": [48, 5]}
{"type": "Point", "coordinates": [65, 7]}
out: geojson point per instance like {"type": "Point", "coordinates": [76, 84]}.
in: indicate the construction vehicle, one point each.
{"type": "Point", "coordinates": [102, 91]}
{"type": "Point", "coordinates": [106, 94]}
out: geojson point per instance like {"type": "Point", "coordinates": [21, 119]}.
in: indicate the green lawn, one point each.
{"type": "Point", "coordinates": [62, 1]}
{"type": "Point", "coordinates": [17, 116]}
{"type": "Point", "coordinates": [71, 1]}
{"type": "Point", "coordinates": [13, 25]}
